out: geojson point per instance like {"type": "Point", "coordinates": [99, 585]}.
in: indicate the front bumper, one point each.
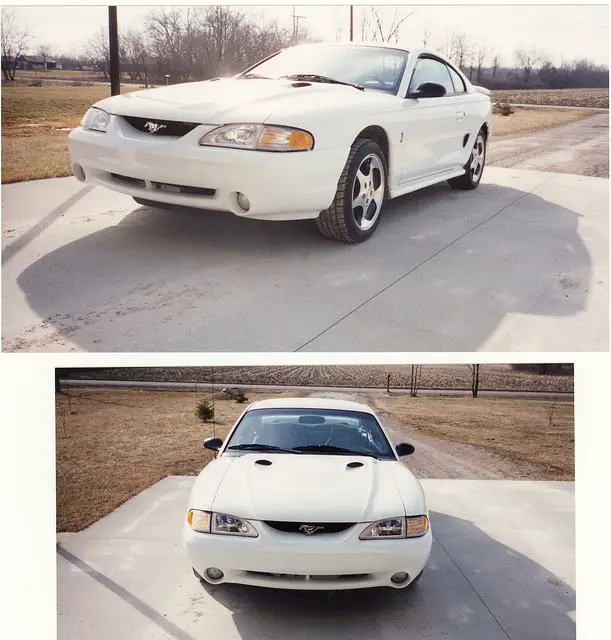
{"type": "Point", "coordinates": [279, 186]}
{"type": "Point", "coordinates": [320, 562]}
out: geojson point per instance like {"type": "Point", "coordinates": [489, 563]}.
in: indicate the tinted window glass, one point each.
{"type": "Point", "coordinates": [429, 70]}
{"type": "Point", "coordinates": [459, 85]}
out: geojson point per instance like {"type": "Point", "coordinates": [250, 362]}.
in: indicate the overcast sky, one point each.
{"type": "Point", "coordinates": [562, 31]}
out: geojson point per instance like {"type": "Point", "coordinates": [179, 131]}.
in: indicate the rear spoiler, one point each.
{"type": "Point", "coordinates": [483, 90]}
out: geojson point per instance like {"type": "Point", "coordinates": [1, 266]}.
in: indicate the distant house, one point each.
{"type": "Point", "coordinates": [32, 63]}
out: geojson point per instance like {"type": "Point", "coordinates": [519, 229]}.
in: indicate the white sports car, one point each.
{"type": "Point", "coordinates": [319, 131]}
{"type": "Point", "coordinates": [308, 494]}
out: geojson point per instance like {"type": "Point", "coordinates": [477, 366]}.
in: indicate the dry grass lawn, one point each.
{"type": "Point", "coordinates": [527, 120]}
{"type": "Point", "coordinates": [117, 442]}
{"type": "Point", "coordinates": [35, 126]}
{"type": "Point", "coordinates": [539, 432]}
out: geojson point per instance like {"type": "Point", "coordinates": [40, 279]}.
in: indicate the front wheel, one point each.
{"type": "Point", "coordinates": [355, 212]}
{"type": "Point", "coordinates": [474, 167]}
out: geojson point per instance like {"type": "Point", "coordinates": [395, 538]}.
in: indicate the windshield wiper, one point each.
{"type": "Point", "coordinates": [254, 76]}
{"type": "Point", "coordinates": [259, 447]}
{"type": "Point", "coordinates": [329, 448]}
{"type": "Point", "coordinates": [314, 77]}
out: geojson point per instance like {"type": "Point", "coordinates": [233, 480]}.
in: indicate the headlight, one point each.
{"type": "Point", "coordinates": [96, 120]}
{"type": "Point", "coordinates": [259, 137]}
{"type": "Point", "coordinates": [393, 528]}
{"type": "Point", "coordinates": [221, 523]}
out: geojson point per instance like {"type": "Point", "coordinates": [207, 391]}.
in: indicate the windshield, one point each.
{"type": "Point", "coordinates": [319, 431]}
{"type": "Point", "coordinates": [377, 68]}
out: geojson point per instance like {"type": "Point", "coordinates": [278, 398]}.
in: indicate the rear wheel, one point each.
{"type": "Point", "coordinates": [474, 167]}
{"type": "Point", "coordinates": [355, 212]}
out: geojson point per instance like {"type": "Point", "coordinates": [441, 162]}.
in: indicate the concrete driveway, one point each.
{"type": "Point", "coordinates": [520, 264]}
{"type": "Point", "coordinates": [502, 567]}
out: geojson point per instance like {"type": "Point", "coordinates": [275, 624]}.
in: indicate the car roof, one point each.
{"type": "Point", "coordinates": [310, 403]}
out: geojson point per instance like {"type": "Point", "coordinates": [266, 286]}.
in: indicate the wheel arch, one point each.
{"type": "Point", "coordinates": [378, 134]}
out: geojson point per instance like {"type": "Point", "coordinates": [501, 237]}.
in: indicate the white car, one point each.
{"type": "Point", "coordinates": [319, 131]}
{"type": "Point", "coordinates": [308, 494]}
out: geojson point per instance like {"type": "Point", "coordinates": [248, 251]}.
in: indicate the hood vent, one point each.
{"type": "Point", "coordinates": [297, 85]}
{"type": "Point", "coordinates": [354, 465]}
{"type": "Point", "coordinates": [264, 463]}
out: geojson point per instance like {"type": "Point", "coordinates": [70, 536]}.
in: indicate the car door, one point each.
{"type": "Point", "coordinates": [432, 125]}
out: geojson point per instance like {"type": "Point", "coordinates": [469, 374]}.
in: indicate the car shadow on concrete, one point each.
{"type": "Point", "coordinates": [444, 279]}
{"type": "Point", "coordinates": [473, 587]}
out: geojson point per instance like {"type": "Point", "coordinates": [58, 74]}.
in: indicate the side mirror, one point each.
{"type": "Point", "coordinates": [428, 90]}
{"type": "Point", "coordinates": [214, 444]}
{"type": "Point", "coordinates": [404, 449]}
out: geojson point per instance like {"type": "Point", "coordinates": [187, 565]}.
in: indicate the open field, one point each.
{"type": "Point", "coordinates": [492, 377]}
{"type": "Point", "coordinates": [111, 444]}
{"type": "Point", "coordinates": [36, 122]}
{"type": "Point", "coordinates": [63, 74]}
{"type": "Point", "coordinates": [557, 97]}
{"type": "Point", "coordinates": [538, 435]}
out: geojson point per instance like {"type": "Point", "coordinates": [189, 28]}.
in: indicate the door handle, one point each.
{"type": "Point", "coordinates": [460, 115]}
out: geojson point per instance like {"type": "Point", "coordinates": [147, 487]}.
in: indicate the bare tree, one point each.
{"type": "Point", "coordinates": [527, 59]}
{"type": "Point", "coordinates": [414, 385]}
{"type": "Point", "coordinates": [480, 57]}
{"type": "Point", "coordinates": [134, 55]}
{"type": "Point", "coordinates": [496, 63]}
{"type": "Point", "coordinates": [15, 40]}
{"type": "Point", "coordinates": [391, 33]}
{"type": "Point", "coordinates": [461, 49]}
{"type": "Point", "coordinates": [97, 53]}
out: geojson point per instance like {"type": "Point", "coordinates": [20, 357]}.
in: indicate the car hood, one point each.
{"type": "Point", "coordinates": [230, 100]}
{"type": "Point", "coordinates": [309, 488]}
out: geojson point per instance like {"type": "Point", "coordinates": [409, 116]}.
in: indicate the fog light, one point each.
{"type": "Point", "coordinates": [79, 172]}
{"type": "Point", "coordinates": [214, 574]}
{"type": "Point", "coordinates": [399, 578]}
{"type": "Point", "coordinates": [243, 201]}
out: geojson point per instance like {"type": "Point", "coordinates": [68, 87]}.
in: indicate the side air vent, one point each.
{"type": "Point", "coordinates": [297, 85]}
{"type": "Point", "coordinates": [263, 463]}
{"type": "Point", "coordinates": [354, 465]}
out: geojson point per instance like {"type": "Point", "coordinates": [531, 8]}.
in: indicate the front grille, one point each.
{"type": "Point", "coordinates": [164, 186]}
{"type": "Point", "coordinates": [132, 182]}
{"type": "Point", "coordinates": [163, 127]}
{"type": "Point", "coordinates": [314, 578]}
{"type": "Point", "coordinates": [314, 528]}
{"type": "Point", "coordinates": [179, 188]}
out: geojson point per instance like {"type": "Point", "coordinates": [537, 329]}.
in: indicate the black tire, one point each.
{"type": "Point", "coordinates": [338, 221]}
{"type": "Point", "coordinates": [468, 181]}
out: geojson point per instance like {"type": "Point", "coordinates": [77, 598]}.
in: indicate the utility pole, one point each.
{"type": "Point", "coordinates": [296, 20]}
{"type": "Point", "coordinates": [113, 44]}
{"type": "Point", "coordinates": [351, 23]}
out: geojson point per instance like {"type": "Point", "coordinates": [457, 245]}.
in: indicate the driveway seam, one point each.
{"type": "Point", "coordinates": [408, 273]}
{"type": "Point", "coordinates": [472, 587]}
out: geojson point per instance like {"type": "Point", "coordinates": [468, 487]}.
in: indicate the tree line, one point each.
{"type": "Point", "coordinates": [197, 43]}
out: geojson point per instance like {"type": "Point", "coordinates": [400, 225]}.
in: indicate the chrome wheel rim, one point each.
{"type": "Point", "coordinates": [368, 192]}
{"type": "Point", "coordinates": [478, 157]}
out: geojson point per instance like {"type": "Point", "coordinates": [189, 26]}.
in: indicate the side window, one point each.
{"type": "Point", "coordinates": [429, 70]}
{"type": "Point", "coordinates": [459, 85]}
